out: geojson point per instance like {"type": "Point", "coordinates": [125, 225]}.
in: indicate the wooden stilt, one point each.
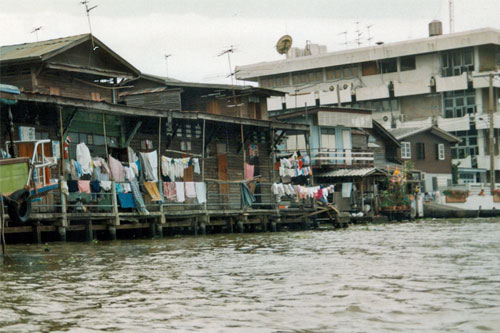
{"type": "Point", "coordinates": [37, 232]}
{"type": "Point", "coordinates": [112, 231]}
{"type": "Point", "coordinates": [62, 233]}
{"type": "Point", "coordinates": [89, 232]}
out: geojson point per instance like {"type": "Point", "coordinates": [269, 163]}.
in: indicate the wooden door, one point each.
{"type": "Point", "coordinates": [222, 171]}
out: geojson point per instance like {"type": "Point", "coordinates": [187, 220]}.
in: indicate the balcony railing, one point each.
{"type": "Point", "coordinates": [354, 158]}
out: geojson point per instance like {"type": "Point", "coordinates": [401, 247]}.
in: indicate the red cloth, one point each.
{"type": "Point", "coordinates": [170, 192]}
{"type": "Point", "coordinates": [319, 194]}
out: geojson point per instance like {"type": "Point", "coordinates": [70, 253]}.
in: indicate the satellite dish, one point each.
{"type": "Point", "coordinates": [284, 44]}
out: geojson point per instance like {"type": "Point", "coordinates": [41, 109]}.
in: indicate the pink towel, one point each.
{"type": "Point", "coordinates": [84, 186]}
{"type": "Point", "coordinates": [249, 169]}
{"type": "Point", "coordinates": [116, 169]}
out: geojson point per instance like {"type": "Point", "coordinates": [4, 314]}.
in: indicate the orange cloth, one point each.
{"type": "Point", "coordinates": [152, 189]}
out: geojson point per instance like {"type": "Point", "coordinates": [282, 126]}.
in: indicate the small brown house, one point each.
{"type": "Point", "coordinates": [429, 150]}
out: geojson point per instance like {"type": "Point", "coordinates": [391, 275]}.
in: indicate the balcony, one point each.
{"type": "Point", "coordinates": [342, 158]}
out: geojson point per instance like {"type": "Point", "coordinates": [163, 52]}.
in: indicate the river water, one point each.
{"type": "Point", "coordinates": [433, 275]}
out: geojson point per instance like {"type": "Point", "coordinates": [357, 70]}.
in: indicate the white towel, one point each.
{"type": "Point", "coordinates": [105, 185]}
{"type": "Point", "coordinates": [179, 188]}
{"type": "Point", "coordinates": [201, 192]}
{"type": "Point", "coordinates": [83, 157]}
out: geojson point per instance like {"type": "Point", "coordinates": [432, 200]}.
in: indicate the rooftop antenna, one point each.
{"type": "Point", "coordinates": [358, 34]}
{"type": "Point", "coordinates": [345, 38]}
{"type": "Point", "coordinates": [369, 38]}
{"type": "Point", "coordinates": [35, 30]}
{"type": "Point", "coordinates": [452, 16]}
{"type": "Point", "coordinates": [87, 10]}
{"type": "Point", "coordinates": [166, 61]}
{"type": "Point", "coordinates": [228, 51]}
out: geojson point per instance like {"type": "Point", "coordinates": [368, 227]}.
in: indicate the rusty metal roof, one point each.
{"type": "Point", "coordinates": [28, 51]}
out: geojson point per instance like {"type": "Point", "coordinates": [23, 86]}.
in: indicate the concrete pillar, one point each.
{"type": "Point", "coordinates": [114, 202]}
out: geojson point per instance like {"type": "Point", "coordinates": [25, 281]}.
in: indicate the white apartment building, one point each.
{"type": "Point", "coordinates": [440, 79]}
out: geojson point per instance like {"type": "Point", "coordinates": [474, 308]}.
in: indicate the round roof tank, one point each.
{"type": "Point", "coordinates": [435, 28]}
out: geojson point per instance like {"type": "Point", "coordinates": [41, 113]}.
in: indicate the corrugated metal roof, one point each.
{"type": "Point", "coordinates": [37, 49]}
{"type": "Point", "coordinates": [348, 173]}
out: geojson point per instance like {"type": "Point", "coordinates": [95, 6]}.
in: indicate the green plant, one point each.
{"type": "Point", "coordinates": [457, 194]}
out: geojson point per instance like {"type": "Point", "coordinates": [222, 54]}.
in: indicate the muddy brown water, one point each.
{"type": "Point", "coordinates": [433, 275]}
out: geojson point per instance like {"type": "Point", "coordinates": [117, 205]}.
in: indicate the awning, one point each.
{"type": "Point", "coordinates": [351, 173]}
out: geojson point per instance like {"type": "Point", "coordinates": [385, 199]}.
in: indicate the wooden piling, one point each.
{"type": "Point", "coordinates": [89, 232]}
{"type": "Point", "coordinates": [264, 222]}
{"type": "Point", "coordinates": [114, 202]}
{"type": "Point", "coordinates": [112, 231]}
{"type": "Point", "coordinates": [61, 230]}
{"type": "Point", "coordinates": [37, 232]}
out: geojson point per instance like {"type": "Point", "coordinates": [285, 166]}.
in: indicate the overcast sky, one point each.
{"type": "Point", "coordinates": [195, 32]}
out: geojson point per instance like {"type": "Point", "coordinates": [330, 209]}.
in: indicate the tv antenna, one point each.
{"type": "Point", "coordinates": [369, 38]}
{"type": "Point", "coordinates": [87, 10]}
{"type": "Point", "coordinates": [228, 51]}
{"type": "Point", "coordinates": [35, 30]}
{"type": "Point", "coordinates": [345, 38]}
{"type": "Point", "coordinates": [359, 33]}
{"type": "Point", "coordinates": [166, 61]}
{"type": "Point", "coordinates": [452, 16]}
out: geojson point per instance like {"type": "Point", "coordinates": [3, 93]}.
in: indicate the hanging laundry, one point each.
{"type": "Point", "coordinates": [126, 200]}
{"type": "Point", "coordinates": [169, 191]}
{"type": "Point", "coordinates": [64, 187]}
{"type": "Point", "coordinates": [150, 165]}
{"type": "Point", "coordinates": [190, 190]}
{"type": "Point", "coordinates": [83, 157]}
{"type": "Point", "coordinates": [249, 171]}
{"type": "Point", "coordinates": [152, 189]}
{"type": "Point", "coordinates": [95, 187]}
{"type": "Point", "coordinates": [246, 196]}
{"type": "Point", "coordinates": [196, 164]}
{"type": "Point", "coordinates": [126, 187]}
{"type": "Point", "coordinates": [116, 169]}
{"type": "Point", "coordinates": [106, 185]}
{"type": "Point", "coordinates": [201, 192]}
{"type": "Point", "coordinates": [84, 186]}
{"type": "Point", "coordinates": [139, 201]}
{"type": "Point", "coordinates": [179, 189]}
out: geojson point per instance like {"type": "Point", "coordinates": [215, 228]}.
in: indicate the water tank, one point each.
{"type": "Point", "coordinates": [435, 28]}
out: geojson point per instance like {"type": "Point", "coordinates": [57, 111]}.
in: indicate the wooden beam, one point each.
{"type": "Point", "coordinates": [170, 138]}
{"type": "Point", "coordinates": [68, 123]}
{"type": "Point", "coordinates": [133, 133]}
{"type": "Point", "coordinates": [279, 138]}
{"type": "Point", "coordinates": [91, 106]}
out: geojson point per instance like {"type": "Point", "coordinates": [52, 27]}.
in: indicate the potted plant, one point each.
{"type": "Point", "coordinates": [455, 196]}
{"type": "Point", "coordinates": [496, 195]}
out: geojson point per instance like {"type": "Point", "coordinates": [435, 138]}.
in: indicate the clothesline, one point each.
{"type": "Point", "coordinates": [233, 181]}
{"type": "Point", "coordinates": [182, 152]}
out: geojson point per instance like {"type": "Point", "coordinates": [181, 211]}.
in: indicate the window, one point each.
{"type": "Point", "coordinates": [440, 151]}
{"type": "Point", "coordinates": [457, 62]}
{"type": "Point", "coordinates": [328, 138]}
{"type": "Point", "coordinates": [388, 65]}
{"type": "Point", "coordinates": [459, 103]}
{"type": "Point", "coordinates": [185, 145]}
{"type": "Point", "coordinates": [295, 142]}
{"type": "Point", "coordinates": [405, 150]}
{"type": "Point", "coordinates": [468, 146]}
{"type": "Point", "coordinates": [420, 150]}
{"type": "Point", "coordinates": [407, 63]}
